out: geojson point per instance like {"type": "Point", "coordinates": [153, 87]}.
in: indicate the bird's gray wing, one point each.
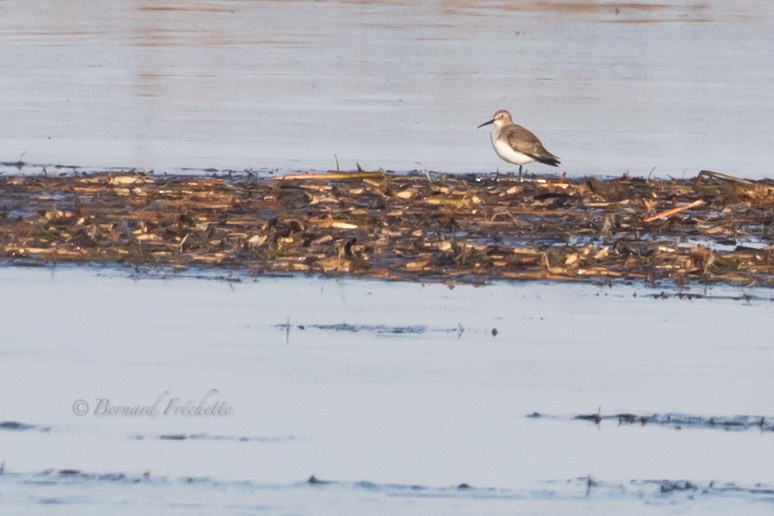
{"type": "Point", "coordinates": [522, 140]}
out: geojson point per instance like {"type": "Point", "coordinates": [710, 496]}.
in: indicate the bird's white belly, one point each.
{"type": "Point", "coordinates": [508, 154]}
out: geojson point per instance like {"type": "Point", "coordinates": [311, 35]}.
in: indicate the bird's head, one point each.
{"type": "Point", "coordinates": [499, 119]}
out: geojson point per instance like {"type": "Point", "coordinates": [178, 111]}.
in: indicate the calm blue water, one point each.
{"type": "Point", "coordinates": [127, 394]}
{"type": "Point", "coordinates": [670, 87]}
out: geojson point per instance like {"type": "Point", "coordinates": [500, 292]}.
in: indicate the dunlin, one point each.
{"type": "Point", "coordinates": [515, 144]}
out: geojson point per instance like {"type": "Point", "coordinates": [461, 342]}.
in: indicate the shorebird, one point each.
{"type": "Point", "coordinates": [515, 144]}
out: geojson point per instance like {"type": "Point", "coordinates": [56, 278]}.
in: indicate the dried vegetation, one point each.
{"type": "Point", "coordinates": [711, 228]}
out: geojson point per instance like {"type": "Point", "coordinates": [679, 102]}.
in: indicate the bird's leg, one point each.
{"type": "Point", "coordinates": [519, 173]}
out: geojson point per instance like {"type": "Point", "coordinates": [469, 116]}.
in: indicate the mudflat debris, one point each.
{"type": "Point", "coordinates": [670, 419]}
{"type": "Point", "coordinates": [680, 421]}
{"type": "Point", "coordinates": [456, 228]}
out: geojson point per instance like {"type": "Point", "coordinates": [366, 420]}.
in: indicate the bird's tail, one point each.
{"type": "Point", "coordinates": [548, 159]}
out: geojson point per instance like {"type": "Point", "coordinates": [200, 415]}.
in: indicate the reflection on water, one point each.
{"type": "Point", "coordinates": [615, 11]}
{"type": "Point", "coordinates": [611, 86]}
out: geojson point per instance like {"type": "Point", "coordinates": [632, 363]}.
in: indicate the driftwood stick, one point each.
{"type": "Point", "coordinates": [673, 211]}
{"type": "Point", "coordinates": [725, 177]}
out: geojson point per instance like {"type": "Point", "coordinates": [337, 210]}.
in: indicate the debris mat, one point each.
{"type": "Point", "coordinates": [412, 227]}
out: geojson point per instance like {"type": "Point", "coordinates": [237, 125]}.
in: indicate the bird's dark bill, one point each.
{"type": "Point", "coordinates": [485, 123]}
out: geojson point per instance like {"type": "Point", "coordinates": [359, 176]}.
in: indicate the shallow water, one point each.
{"type": "Point", "coordinates": [672, 86]}
{"type": "Point", "coordinates": [396, 393]}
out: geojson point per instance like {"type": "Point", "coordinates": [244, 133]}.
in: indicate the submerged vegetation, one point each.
{"type": "Point", "coordinates": [458, 228]}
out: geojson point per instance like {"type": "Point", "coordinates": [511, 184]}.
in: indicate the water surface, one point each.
{"type": "Point", "coordinates": [396, 393]}
{"type": "Point", "coordinates": [670, 87]}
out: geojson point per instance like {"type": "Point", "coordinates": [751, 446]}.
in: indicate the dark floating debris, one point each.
{"type": "Point", "coordinates": [371, 328]}
{"type": "Point", "coordinates": [15, 425]}
{"type": "Point", "coordinates": [211, 437]}
{"type": "Point", "coordinates": [679, 421]}
{"type": "Point", "coordinates": [378, 329]}
{"type": "Point", "coordinates": [454, 228]}
{"type": "Point", "coordinates": [667, 486]}
{"type": "Point", "coordinates": [197, 480]}
{"type": "Point", "coordinates": [69, 473]}
{"type": "Point", "coordinates": [577, 488]}
{"type": "Point", "coordinates": [173, 437]}
{"type": "Point", "coordinates": [20, 427]}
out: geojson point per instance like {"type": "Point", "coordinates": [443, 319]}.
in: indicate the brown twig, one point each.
{"type": "Point", "coordinates": [673, 211]}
